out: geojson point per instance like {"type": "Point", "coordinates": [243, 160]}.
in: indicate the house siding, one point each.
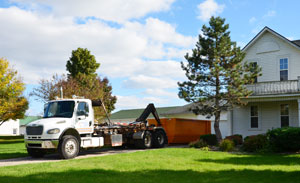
{"type": "Point", "coordinates": [267, 51]}
{"type": "Point", "coordinates": [269, 117]}
{"type": "Point", "coordinates": [7, 128]}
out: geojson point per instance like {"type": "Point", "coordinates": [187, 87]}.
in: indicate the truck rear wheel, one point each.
{"type": "Point", "coordinates": [159, 139]}
{"type": "Point", "coordinates": [68, 147]}
{"type": "Point", "coordinates": [145, 142]}
{"type": "Point", "coordinates": [36, 153]}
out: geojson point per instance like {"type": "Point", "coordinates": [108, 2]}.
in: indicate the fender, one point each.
{"type": "Point", "coordinates": [71, 131]}
{"type": "Point", "coordinates": [138, 135]}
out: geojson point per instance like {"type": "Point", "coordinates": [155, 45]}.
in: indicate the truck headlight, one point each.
{"type": "Point", "coordinates": [53, 131]}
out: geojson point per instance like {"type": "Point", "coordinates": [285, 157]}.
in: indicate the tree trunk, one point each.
{"type": "Point", "coordinates": [216, 126]}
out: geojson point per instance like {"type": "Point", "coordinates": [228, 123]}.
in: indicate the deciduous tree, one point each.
{"type": "Point", "coordinates": [82, 81]}
{"type": "Point", "coordinates": [13, 104]}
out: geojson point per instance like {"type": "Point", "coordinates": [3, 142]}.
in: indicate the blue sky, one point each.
{"type": "Point", "coordinates": [139, 43]}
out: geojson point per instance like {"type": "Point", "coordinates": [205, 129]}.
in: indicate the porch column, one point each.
{"type": "Point", "coordinates": [230, 121]}
{"type": "Point", "coordinates": [298, 112]}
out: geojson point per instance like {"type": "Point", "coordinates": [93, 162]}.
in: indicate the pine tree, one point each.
{"type": "Point", "coordinates": [215, 72]}
{"type": "Point", "coordinates": [82, 62]}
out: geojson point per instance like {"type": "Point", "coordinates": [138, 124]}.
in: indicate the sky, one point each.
{"type": "Point", "coordinates": [139, 43]}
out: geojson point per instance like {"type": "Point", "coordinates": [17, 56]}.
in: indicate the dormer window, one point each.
{"type": "Point", "coordinates": [283, 69]}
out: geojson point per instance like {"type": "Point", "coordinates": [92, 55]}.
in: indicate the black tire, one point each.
{"type": "Point", "coordinates": [145, 142]}
{"type": "Point", "coordinates": [68, 147]}
{"type": "Point", "coordinates": [159, 139]}
{"type": "Point", "coordinates": [36, 153]}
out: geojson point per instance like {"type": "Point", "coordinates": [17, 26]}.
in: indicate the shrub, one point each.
{"type": "Point", "coordinates": [237, 139]}
{"type": "Point", "coordinates": [198, 144]}
{"type": "Point", "coordinates": [284, 139]}
{"type": "Point", "coordinates": [210, 139]}
{"type": "Point", "coordinates": [226, 145]}
{"type": "Point", "coordinates": [205, 149]}
{"type": "Point", "coordinates": [255, 143]}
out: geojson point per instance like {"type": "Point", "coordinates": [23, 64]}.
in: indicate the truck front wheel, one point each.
{"type": "Point", "coordinates": [68, 147]}
{"type": "Point", "coordinates": [36, 153]}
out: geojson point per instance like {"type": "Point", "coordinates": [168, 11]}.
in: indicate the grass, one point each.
{"type": "Point", "coordinates": [12, 147]}
{"type": "Point", "coordinates": [163, 165]}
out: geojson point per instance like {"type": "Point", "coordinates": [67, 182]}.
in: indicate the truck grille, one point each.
{"type": "Point", "coordinates": [34, 130]}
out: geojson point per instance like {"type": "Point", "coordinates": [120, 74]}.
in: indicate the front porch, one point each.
{"type": "Point", "coordinates": [272, 105]}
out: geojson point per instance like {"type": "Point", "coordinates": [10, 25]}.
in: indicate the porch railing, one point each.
{"type": "Point", "coordinates": [275, 87]}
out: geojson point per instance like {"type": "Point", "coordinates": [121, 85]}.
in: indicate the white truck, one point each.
{"type": "Point", "coordinates": [68, 126]}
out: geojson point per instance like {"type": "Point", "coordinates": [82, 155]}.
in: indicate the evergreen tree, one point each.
{"type": "Point", "coordinates": [82, 62]}
{"type": "Point", "coordinates": [13, 104]}
{"type": "Point", "coordinates": [215, 72]}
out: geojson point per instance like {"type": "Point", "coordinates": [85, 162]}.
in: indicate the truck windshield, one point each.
{"type": "Point", "coordinates": [63, 109]}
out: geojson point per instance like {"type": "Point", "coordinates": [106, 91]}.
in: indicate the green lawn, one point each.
{"type": "Point", "coordinates": [163, 165]}
{"type": "Point", "coordinates": [12, 147]}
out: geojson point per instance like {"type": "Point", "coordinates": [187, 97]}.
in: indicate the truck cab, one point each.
{"type": "Point", "coordinates": [70, 120]}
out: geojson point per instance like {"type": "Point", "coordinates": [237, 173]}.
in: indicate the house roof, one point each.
{"type": "Point", "coordinates": [295, 43]}
{"type": "Point", "coordinates": [179, 110]}
{"type": "Point", "coordinates": [135, 113]}
{"type": "Point", "coordinates": [28, 119]}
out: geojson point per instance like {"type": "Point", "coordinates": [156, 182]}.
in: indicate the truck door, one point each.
{"type": "Point", "coordinates": [83, 118]}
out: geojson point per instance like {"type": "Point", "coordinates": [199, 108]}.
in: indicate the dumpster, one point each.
{"type": "Point", "coordinates": [183, 131]}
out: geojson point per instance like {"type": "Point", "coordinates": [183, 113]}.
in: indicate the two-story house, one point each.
{"type": "Point", "coordinates": [275, 101]}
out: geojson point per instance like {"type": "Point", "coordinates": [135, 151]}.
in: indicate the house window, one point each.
{"type": "Point", "coordinates": [284, 115]}
{"type": "Point", "coordinates": [254, 116]}
{"type": "Point", "coordinates": [283, 69]}
{"type": "Point", "coordinates": [15, 131]}
{"type": "Point", "coordinates": [253, 65]}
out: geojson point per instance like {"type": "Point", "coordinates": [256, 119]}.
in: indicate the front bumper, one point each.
{"type": "Point", "coordinates": [42, 144]}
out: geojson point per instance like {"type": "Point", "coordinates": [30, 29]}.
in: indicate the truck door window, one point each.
{"type": "Point", "coordinates": [83, 109]}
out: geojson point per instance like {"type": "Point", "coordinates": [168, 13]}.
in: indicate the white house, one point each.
{"type": "Point", "coordinates": [16, 127]}
{"type": "Point", "coordinates": [10, 127]}
{"type": "Point", "coordinates": [276, 94]}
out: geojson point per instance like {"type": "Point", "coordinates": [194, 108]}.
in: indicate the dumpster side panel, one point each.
{"type": "Point", "coordinates": [183, 130]}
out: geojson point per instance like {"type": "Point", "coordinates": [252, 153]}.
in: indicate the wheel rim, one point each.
{"type": "Point", "coordinates": [147, 140]}
{"type": "Point", "coordinates": [71, 147]}
{"type": "Point", "coordinates": [160, 138]}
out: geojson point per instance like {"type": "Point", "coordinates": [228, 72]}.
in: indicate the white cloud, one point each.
{"type": "Point", "coordinates": [38, 45]}
{"type": "Point", "coordinates": [252, 20]}
{"type": "Point", "coordinates": [142, 81]}
{"type": "Point", "coordinates": [241, 44]}
{"type": "Point", "coordinates": [291, 38]}
{"type": "Point", "coordinates": [270, 13]}
{"type": "Point", "coordinates": [209, 8]}
{"type": "Point", "coordinates": [111, 10]}
{"type": "Point", "coordinates": [44, 43]}
{"type": "Point", "coordinates": [161, 93]}
{"type": "Point", "coordinates": [134, 102]}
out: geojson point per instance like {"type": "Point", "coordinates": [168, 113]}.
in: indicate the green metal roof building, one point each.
{"type": "Point", "coordinates": [132, 114]}
{"type": "Point", "coordinates": [28, 119]}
